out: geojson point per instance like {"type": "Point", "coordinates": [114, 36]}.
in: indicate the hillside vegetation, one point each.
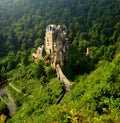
{"type": "Point", "coordinates": [94, 95]}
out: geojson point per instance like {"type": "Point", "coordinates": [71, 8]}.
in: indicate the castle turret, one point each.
{"type": "Point", "coordinates": [88, 52]}
{"type": "Point", "coordinates": [55, 39]}
{"type": "Point", "coordinates": [49, 39]}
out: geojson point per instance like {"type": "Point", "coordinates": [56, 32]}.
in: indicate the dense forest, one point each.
{"type": "Point", "coordinates": [95, 89]}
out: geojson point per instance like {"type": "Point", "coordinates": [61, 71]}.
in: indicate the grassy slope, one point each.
{"type": "Point", "coordinates": [34, 96]}
{"type": "Point", "coordinates": [96, 96]}
{"type": "Point", "coordinates": [93, 98]}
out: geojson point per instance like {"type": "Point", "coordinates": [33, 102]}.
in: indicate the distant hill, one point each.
{"type": "Point", "coordinates": [22, 22]}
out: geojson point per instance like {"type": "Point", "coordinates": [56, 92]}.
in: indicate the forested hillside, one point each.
{"type": "Point", "coordinates": [94, 95]}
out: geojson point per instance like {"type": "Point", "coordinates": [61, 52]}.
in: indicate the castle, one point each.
{"type": "Point", "coordinates": [56, 46]}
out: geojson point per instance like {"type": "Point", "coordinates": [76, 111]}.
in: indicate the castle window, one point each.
{"type": "Point", "coordinates": [47, 43]}
{"type": "Point", "coordinates": [54, 45]}
{"type": "Point", "coordinates": [64, 32]}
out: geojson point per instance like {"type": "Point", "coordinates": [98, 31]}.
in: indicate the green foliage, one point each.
{"type": "Point", "coordinates": [3, 108]}
{"type": "Point", "coordinates": [5, 97]}
{"type": "Point", "coordinates": [77, 64]}
{"type": "Point", "coordinates": [70, 117]}
{"type": "Point", "coordinates": [38, 42]}
{"type": "Point", "coordinates": [97, 95]}
{"type": "Point", "coordinates": [36, 94]}
{"type": "Point", "coordinates": [90, 23]}
{"type": "Point", "coordinates": [11, 60]}
{"type": "Point", "coordinates": [24, 58]}
{"type": "Point", "coordinates": [35, 98]}
{"type": "Point", "coordinates": [49, 72]}
{"type": "Point", "coordinates": [39, 69]}
{"type": "Point", "coordinates": [2, 74]}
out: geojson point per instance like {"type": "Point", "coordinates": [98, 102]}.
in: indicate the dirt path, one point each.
{"type": "Point", "coordinates": [62, 77]}
{"type": "Point", "coordinates": [66, 82]}
{"type": "Point", "coordinates": [16, 89]}
{"type": "Point", "coordinates": [11, 105]}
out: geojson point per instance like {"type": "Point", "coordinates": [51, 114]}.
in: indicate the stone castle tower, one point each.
{"type": "Point", "coordinates": [56, 45]}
